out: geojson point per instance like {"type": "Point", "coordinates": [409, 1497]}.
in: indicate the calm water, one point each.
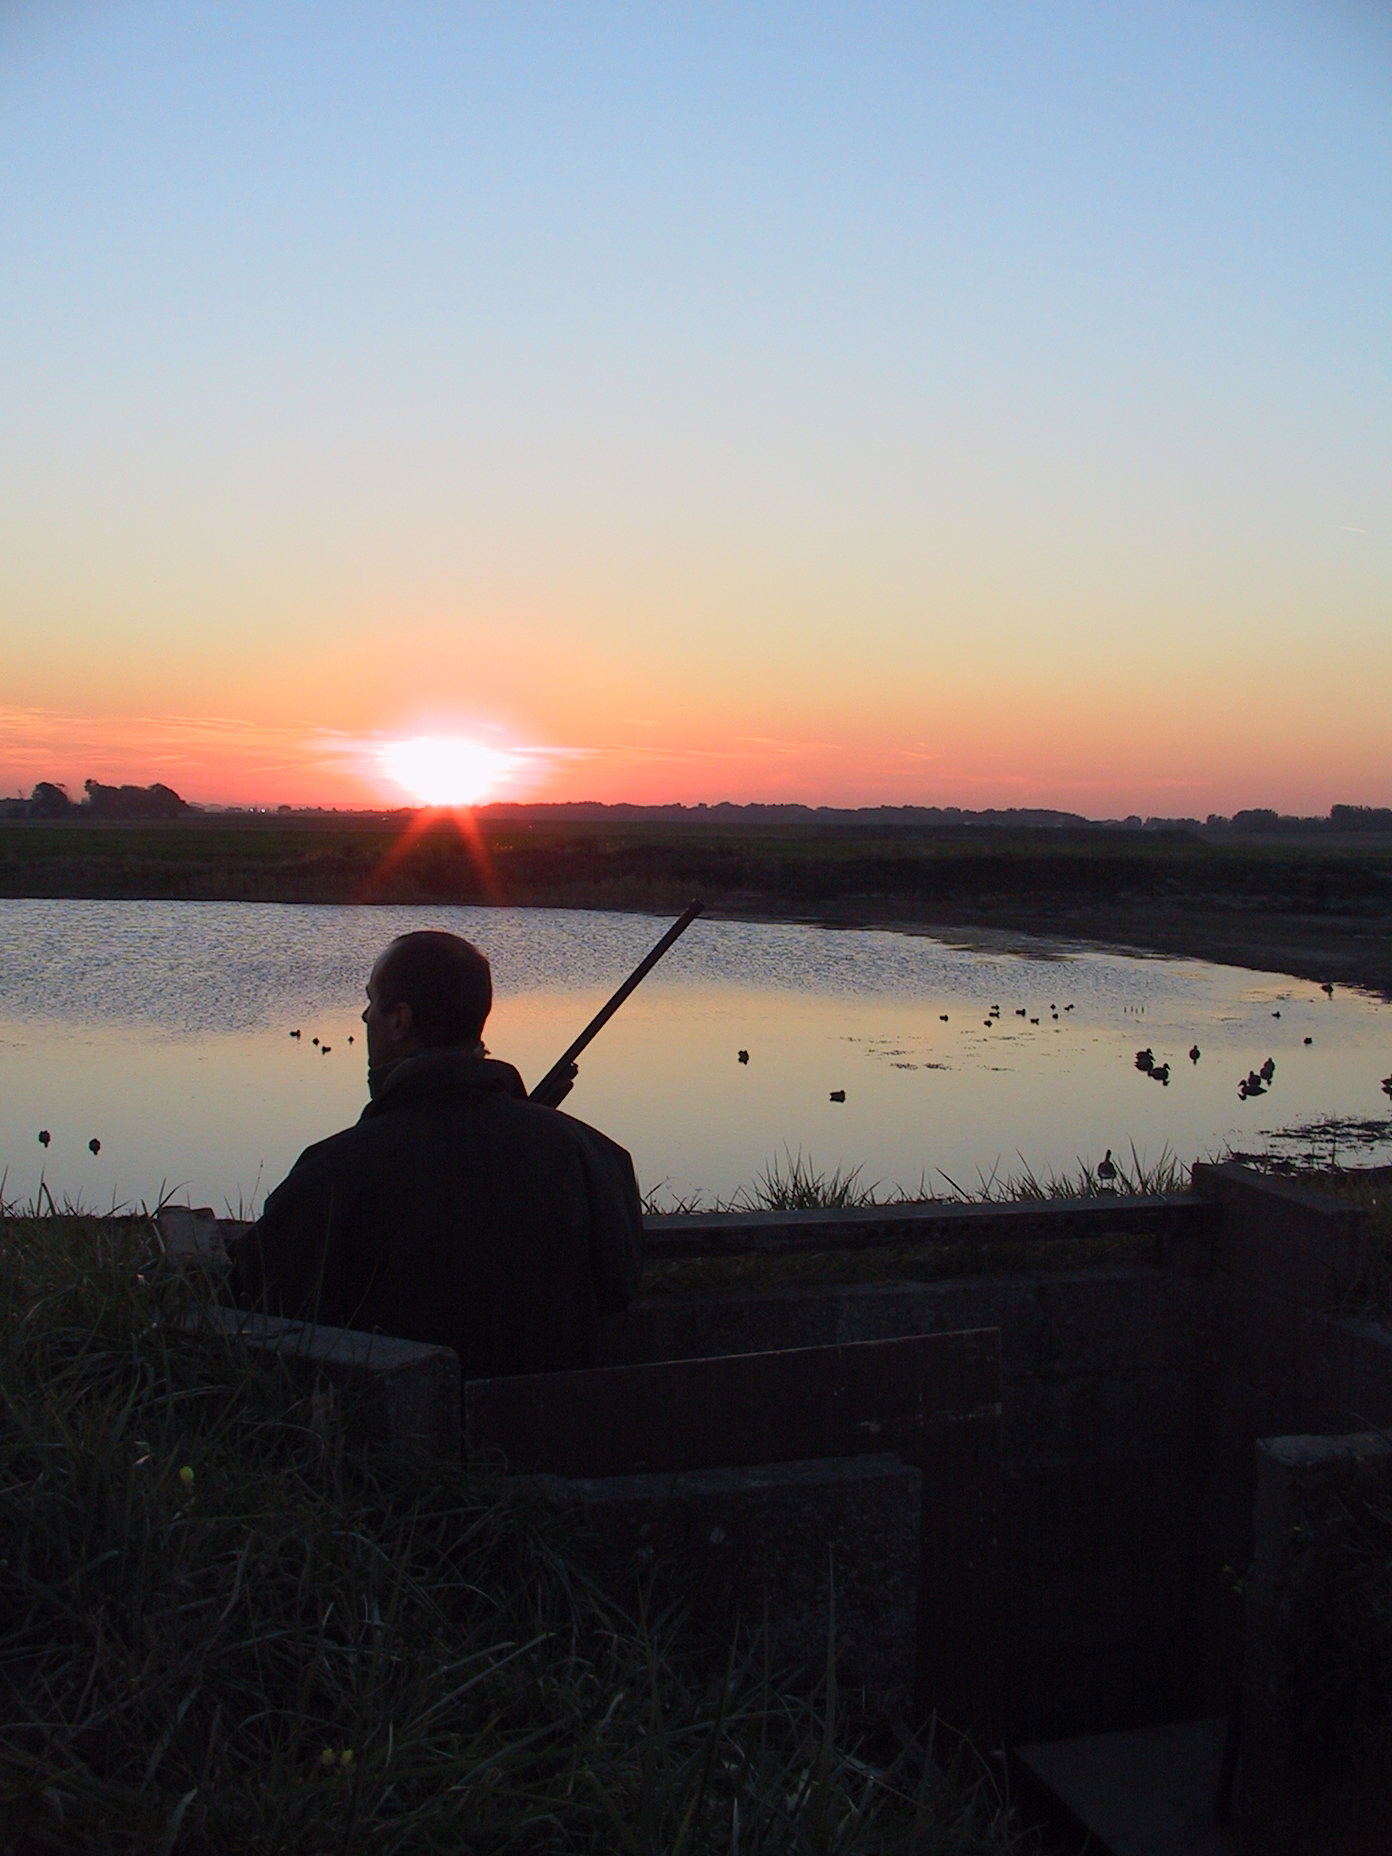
{"type": "Point", "coordinates": [162, 1029]}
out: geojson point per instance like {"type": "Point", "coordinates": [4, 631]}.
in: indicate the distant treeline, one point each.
{"type": "Point", "coordinates": [924, 872]}
{"type": "Point", "coordinates": [50, 800]}
{"type": "Point", "coordinates": [1010, 818]}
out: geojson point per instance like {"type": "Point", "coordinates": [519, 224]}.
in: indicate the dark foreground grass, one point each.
{"type": "Point", "coordinates": [1341, 1668]}
{"type": "Point", "coordinates": [221, 1630]}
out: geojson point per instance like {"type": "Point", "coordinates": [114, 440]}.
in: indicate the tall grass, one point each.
{"type": "Point", "coordinates": [1138, 1178]}
{"type": "Point", "coordinates": [1336, 1606]}
{"type": "Point", "coordinates": [223, 1630]}
{"type": "Point", "coordinates": [798, 1184]}
{"type": "Point", "coordinates": [795, 1182]}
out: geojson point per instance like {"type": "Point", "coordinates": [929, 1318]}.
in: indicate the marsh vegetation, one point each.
{"type": "Point", "coordinates": [225, 1631]}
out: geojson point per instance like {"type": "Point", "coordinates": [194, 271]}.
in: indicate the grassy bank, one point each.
{"type": "Point", "coordinates": [796, 1183]}
{"type": "Point", "coordinates": [222, 1631]}
{"type": "Point", "coordinates": [1320, 906]}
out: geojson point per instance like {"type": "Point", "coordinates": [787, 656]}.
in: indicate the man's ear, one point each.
{"type": "Point", "coordinates": [402, 1022]}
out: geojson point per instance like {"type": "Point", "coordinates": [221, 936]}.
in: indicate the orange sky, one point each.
{"type": "Point", "coordinates": [861, 408]}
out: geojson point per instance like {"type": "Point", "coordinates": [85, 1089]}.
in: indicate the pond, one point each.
{"type": "Point", "coordinates": [162, 1030]}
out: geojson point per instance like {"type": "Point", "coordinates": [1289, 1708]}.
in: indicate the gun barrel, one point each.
{"type": "Point", "coordinates": [559, 1073]}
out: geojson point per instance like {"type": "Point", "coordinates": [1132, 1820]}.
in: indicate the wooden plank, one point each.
{"type": "Point", "coordinates": [398, 1392]}
{"type": "Point", "coordinates": [728, 1234]}
{"type": "Point", "coordinates": [737, 1409]}
{"type": "Point", "coordinates": [934, 1399]}
{"type": "Point", "coordinates": [672, 1236]}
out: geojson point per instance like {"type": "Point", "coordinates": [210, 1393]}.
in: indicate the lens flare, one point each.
{"type": "Point", "coordinates": [444, 770]}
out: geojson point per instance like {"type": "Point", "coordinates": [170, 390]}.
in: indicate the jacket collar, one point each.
{"type": "Point", "coordinates": [440, 1072]}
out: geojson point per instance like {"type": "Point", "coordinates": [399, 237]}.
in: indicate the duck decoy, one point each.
{"type": "Point", "coordinates": [1268, 1070]}
{"type": "Point", "coordinates": [1194, 1053]}
{"type": "Point", "coordinates": [1034, 1021]}
{"type": "Point", "coordinates": [1275, 1014]}
{"type": "Point", "coordinates": [324, 1049]}
{"type": "Point", "coordinates": [1106, 1172]}
{"type": "Point", "coordinates": [1022, 1011]}
{"type": "Point", "coordinates": [1309, 1040]}
{"type": "Point", "coordinates": [350, 1037]}
{"type": "Point", "coordinates": [44, 1137]}
{"type": "Point", "coordinates": [1160, 1073]}
{"type": "Point", "coordinates": [94, 1145]}
{"type": "Point", "coordinates": [294, 1034]}
{"type": "Point", "coordinates": [314, 1040]}
{"type": "Point", "coordinates": [1327, 990]}
{"type": "Point", "coordinates": [1068, 1008]}
{"type": "Point", "coordinates": [1387, 1085]}
{"type": "Point", "coordinates": [838, 1095]}
{"type": "Point", "coordinates": [1145, 1059]}
{"type": "Point", "coordinates": [743, 1056]}
{"type": "Point", "coordinates": [942, 1018]}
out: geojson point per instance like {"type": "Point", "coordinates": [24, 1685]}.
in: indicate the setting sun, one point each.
{"type": "Point", "coordinates": [444, 770]}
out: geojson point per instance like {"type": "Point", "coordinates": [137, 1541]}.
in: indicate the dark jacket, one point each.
{"type": "Point", "coordinates": [454, 1211]}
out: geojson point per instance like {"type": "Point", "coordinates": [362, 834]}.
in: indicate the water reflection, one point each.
{"type": "Point", "coordinates": [162, 1030]}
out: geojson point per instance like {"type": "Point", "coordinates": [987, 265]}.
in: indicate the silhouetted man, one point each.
{"type": "Point", "coordinates": [455, 1210]}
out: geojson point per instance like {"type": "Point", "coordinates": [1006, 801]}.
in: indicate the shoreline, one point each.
{"type": "Point", "coordinates": [1345, 959]}
{"type": "Point", "coordinates": [1305, 954]}
{"type": "Point", "coordinates": [1315, 949]}
{"type": "Point", "coordinates": [1318, 910]}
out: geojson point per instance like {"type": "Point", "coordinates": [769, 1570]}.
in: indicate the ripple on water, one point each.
{"type": "Point", "coordinates": [160, 1027]}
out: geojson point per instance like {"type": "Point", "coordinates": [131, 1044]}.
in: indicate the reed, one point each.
{"type": "Point", "coordinates": [795, 1182]}
{"type": "Point", "coordinates": [1141, 1178]}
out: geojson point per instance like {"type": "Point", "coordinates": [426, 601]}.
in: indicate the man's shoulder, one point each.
{"type": "Point", "coordinates": [422, 1128]}
{"type": "Point", "coordinates": [593, 1140]}
{"type": "Point", "coordinates": [542, 1130]}
{"type": "Point", "coordinates": [326, 1158]}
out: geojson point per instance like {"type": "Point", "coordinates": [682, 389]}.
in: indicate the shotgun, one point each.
{"type": "Point", "coordinates": [558, 1081]}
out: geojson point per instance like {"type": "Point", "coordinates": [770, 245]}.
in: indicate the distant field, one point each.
{"type": "Point", "coordinates": [1321, 907]}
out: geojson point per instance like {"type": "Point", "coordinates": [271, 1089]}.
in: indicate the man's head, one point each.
{"type": "Point", "coordinates": [428, 991]}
